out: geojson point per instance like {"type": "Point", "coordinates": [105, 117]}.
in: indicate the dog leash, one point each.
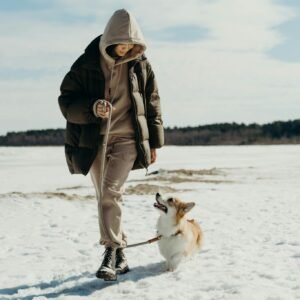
{"type": "Point", "coordinates": [146, 242]}
{"type": "Point", "coordinates": [104, 148]}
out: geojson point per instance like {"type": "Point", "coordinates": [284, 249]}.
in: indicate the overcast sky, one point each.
{"type": "Point", "coordinates": [215, 60]}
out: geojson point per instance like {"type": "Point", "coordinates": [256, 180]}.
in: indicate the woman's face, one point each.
{"type": "Point", "coordinates": [122, 49]}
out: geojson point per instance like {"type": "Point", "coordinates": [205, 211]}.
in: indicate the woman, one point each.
{"type": "Point", "coordinates": [113, 68]}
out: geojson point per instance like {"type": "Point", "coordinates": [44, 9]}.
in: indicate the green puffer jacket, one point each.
{"type": "Point", "coordinates": [83, 85]}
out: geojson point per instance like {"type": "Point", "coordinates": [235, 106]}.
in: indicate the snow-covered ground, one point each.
{"type": "Point", "coordinates": [247, 202]}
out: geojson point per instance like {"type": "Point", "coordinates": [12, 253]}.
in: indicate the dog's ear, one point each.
{"type": "Point", "coordinates": [189, 206]}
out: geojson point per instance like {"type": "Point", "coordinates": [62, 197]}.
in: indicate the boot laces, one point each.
{"type": "Point", "coordinates": [120, 256]}
{"type": "Point", "coordinates": [108, 253]}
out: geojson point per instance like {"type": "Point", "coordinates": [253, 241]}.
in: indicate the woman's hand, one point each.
{"type": "Point", "coordinates": [102, 110]}
{"type": "Point", "coordinates": [153, 155]}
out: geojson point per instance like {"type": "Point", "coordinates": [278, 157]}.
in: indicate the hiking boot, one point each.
{"type": "Point", "coordinates": [121, 265]}
{"type": "Point", "coordinates": [106, 270]}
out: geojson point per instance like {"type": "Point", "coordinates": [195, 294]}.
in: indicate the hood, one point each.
{"type": "Point", "coordinates": [122, 28]}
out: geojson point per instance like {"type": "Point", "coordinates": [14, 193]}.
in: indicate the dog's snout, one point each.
{"type": "Point", "coordinates": [158, 195]}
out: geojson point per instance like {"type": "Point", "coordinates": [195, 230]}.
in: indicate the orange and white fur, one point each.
{"type": "Point", "coordinates": [180, 237]}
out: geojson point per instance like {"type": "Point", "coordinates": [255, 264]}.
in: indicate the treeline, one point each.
{"type": "Point", "coordinates": [46, 137]}
{"type": "Point", "coordinates": [236, 134]}
{"type": "Point", "coordinates": [216, 134]}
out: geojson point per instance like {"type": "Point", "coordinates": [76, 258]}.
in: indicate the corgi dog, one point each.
{"type": "Point", "coordinates": [179, 237]}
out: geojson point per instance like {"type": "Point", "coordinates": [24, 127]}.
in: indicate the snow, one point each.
{"type": "Point", "coordinates": [247, 202]}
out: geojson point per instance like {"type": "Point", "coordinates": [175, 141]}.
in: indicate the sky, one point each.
{"type": "Point", "coordinates": [215, 60]}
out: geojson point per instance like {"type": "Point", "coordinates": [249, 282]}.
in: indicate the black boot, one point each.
{"type": "Point", "coordinates": [121, 265]}
{"type": "Point", "coordinates": [106, 270]}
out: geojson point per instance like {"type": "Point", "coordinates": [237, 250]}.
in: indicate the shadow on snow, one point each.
{"type": "Point", "coordinates": [85, 288]}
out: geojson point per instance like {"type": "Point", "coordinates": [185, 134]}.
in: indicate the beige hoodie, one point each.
{"type": "Point", "coordinates": [122, 28]}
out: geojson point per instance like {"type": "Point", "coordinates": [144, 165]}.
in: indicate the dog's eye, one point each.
{"type": "Point", "coordinates": [170, 200]}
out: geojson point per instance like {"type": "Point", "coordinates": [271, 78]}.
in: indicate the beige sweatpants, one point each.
{"type": "Point", "coordinates": [120, 156]}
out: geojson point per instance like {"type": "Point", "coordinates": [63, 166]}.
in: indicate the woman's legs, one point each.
{"type": "Point", "coordinates": [120, 157]}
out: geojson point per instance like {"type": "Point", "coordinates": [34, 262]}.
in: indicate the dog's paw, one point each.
{"type": "Point", "coordinates": [169, 267]}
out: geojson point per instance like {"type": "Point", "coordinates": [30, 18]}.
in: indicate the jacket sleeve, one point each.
{"type": "Point", "coordinates": [74, 103]}
{"type": "Point", "coordinates": [154, 119]}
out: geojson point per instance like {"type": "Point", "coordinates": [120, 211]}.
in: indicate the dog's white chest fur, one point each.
{"type": "Point", "coordinates": [172, 244]}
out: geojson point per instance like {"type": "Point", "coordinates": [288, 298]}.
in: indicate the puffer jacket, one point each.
{"type": "Point", "coordinates": [83, 85]}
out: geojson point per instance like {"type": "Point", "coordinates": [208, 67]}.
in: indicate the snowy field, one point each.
{"type": "Point", "coordinates": [247, 202]}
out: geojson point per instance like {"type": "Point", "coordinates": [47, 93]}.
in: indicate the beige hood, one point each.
{"type": "Point", "coordinates": [122, 28]}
